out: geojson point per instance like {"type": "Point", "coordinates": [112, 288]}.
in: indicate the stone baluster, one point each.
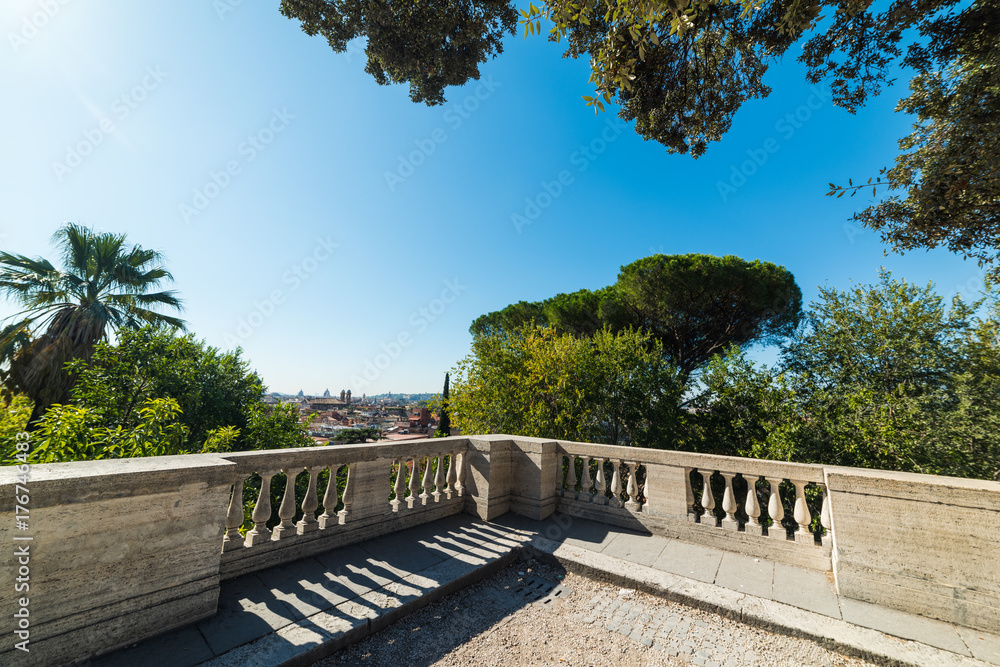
{"type": "Point", "coordinates": [414, 483]}
{"type": "Point", "coordinates": [586, 482]}
{"type": "Point", "coordinates": [399, 487]}
{"type": "Point", "coordinates": [802, 515]}
{"type": "Point", "coordinates": [775, 510]}
{"type": "Point", "coordinates": [450, 479]}
{"type": "Point", "coordinates": [824, 516]}
{"type": "Point", "coordinates": [234, 519]}
{"type": "Point", "coordinates": [438, 477]}
{"type": "Point", "coordinates": [329, 516]}
{"type": "Point", "coordinates": [599, 486]}
{"type": "Point", "coordinates": [460, 484]}
{"type": "Point", "coordinates": [729, 505]}
{"type": "Point", "coordinates": [310, 503]}
{"type": "Point", "coordinates": [261, 513]}
{"type": "Point", "coordinates": [616, 485]}
{"type": "Point", "coordinates": [689, 495]}
{"type": "Point", "coordinates": [286, 511]}
{"type": "Point", "coordinates": [559, 475]}
{"type": "Point", "coordinates": [644, 491]}
{"type": "Point", "coordinates": [349, 488]}
{"type": "Point", "coordinates": [707, 498]}
{"type": "Point", "coordinates": [571, 478]}
{"type": "Point", "coordinates": [632, 488]}
{"type": "Point", "coordinates": [752, 507]}
{"type": "Point", "coordinates": [427, 480]}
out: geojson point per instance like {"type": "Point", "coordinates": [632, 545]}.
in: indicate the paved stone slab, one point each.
{"type": "Point", "coordinates": [498, 537]}
{"type": "Point", "coordinates": [307, 640]}
{"type": "Point", "coordinates": [983, 646]}
{"type": "Point", "coordinates": [643, 549]}
{"type": "Point", "coordinates": [180, 648]}
{"type": "Point", "coordinates": [401, 554]}
{"type": "Point", "coordinates": [900, 624]}
{"type": "Point", "coordinates": [440, 574]}
{"type": "Point", "coordinates": [567, 529]}
{"type": "Point", "coordinates": [357, 569]}
{"type": "Point", "coordinates": [806, 589]}
{"type": "Point", "coordinates": [746, 574]}
{"type": "Point", "coordinates": [689, 560]}
{"type": "Point", "coordinates": [248, 610]}
{"type": "Point", "coordinates": [306, 586]}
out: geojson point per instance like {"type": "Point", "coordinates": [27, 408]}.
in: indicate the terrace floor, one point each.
{"type": "Point", "coordinates": [298, 613]}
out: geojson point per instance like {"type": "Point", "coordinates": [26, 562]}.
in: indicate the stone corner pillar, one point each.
{"type": "Point", "coordinates": [533, 474]}
{"type": "Point", "coordinates": [487, 464]}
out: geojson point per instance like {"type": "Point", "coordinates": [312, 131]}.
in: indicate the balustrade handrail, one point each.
{"type": "Point", "coordinates": [807, 472]}
{"type": "Point", "coordinates": [323, 455]}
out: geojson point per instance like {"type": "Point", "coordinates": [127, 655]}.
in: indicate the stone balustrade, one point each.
{"type": "Point", "coordinates": [725, 502]}
{"type": "Point", "coordinates": [121, 550]}
{"type": "Point", "coordinates": [366, 487]}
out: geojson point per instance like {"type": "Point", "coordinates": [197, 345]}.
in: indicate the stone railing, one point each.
{"type": "Point", "coordinates": [726, 502]}
{"type": "Point", "coordinates": [122, 550]}
{"type": "Point", "coordinates": [362, 480]}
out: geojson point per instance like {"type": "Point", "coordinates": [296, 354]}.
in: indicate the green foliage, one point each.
{"type": "Point", "coordinates": [698, 306]}
{"type": "Point", "coordinates": [614, 388]}
{"type": "Point", "coordinates": [13, 420]}
{"type": "Point", "coordinates": [213, 389]}
{"type": "Point", "coordinates": [72, 433]}
{"type": "Point", "coordinates": [222, 439]}
{"type": "Point", "coordinates": [350, 436]}
{"type": "Point", "coordinates": [695, 306]}
{"type": "Point", "coordinates": [743, 410]}
{"type": "Point", "coordinates": [105, 283]}
{"type": "Point", "coordinates": [429, 44]}
{"type": "Point", "coordinates": [884, 376]}
{"type": "Point", "coordinates": [949, 166]}
{"type": "Point", "coordinates": [157, 393]}
{"type": "Point", "coordinates": [444, 421]}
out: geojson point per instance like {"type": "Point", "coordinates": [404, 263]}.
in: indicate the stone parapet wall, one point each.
{"type": "Point", "coordinates": [122, 550]}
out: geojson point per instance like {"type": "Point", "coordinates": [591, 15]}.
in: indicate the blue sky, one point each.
{"type": "Point", "coordinates": [345, 237]}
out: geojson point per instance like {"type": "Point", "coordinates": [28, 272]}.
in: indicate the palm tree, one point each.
{"type": "Point", "coordinates": [105, 284]}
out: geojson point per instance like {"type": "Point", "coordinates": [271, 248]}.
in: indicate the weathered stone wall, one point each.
{"type": "Point", "coordinates": [920, 543]}
{"type": "Point", "coordinates": [126, 549]}
{"type": "Point", "coordinates": [121, 550]}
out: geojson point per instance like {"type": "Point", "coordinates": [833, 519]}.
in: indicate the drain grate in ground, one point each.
{"type": "Point", "coordinates": [542, 592]}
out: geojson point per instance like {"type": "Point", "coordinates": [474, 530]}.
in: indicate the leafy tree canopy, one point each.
{"type": "Point", "coordinates": [944, 189]}
{"type": "Point", "coordinates": [695, 306]}
{"type": "Point", "coordinates": [156, 393]}
{"type": "Point", "coordinates": [614, 388]}
{"type": "Point", "coordinates": [429, 44]}
{"type": "Point", "coordinates": [212, 389]}
{"type": "Point", "coordinates": [682, 69]}
{"type": "Point", "coordinates": [105, 283]}
{"type": "Point", "coordinates": [884, 376]}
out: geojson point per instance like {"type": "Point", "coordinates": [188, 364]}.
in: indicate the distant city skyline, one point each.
{"type": "Point", "coordinates": [333, 229]}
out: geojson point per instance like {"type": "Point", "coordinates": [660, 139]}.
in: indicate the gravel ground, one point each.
{"type": "Point", "coordinates": [587, 623]}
